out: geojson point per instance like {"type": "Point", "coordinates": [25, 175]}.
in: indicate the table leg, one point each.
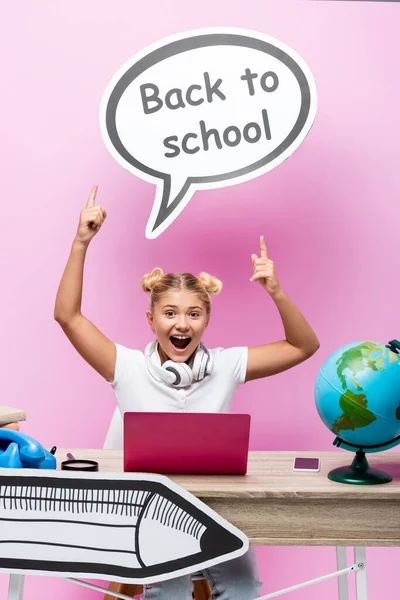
{"type": "Point", "coordinates": [361, 574]}
{"type": "Point", "coordinates": [16, 587]}
{"type": "Point", "coordinates": [343, 582]}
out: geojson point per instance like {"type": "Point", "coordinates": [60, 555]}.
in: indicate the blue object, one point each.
{"type": "Point", "coordinates": [18, 451]}
{"type": "Point", "coordinates": [357, 395]}
{"type": "Point", "coordinates": [10, 457]}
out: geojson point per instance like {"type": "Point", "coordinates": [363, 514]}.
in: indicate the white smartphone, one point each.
{"type": "Point", "coordinates": [301, 463]}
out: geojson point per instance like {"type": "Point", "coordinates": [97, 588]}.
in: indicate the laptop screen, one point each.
{"type": "Point", "coordinates": [186, 443]}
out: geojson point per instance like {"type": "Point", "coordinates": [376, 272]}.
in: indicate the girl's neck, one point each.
{"type": "Point", "coordinates": [164, 357]}
{"type": "Point", "coordinates": [161, 354]}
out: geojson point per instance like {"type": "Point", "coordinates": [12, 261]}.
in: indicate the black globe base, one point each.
{"type": "Point", "coordinates": [359, 473]}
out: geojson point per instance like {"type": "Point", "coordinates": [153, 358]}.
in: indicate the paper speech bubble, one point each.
{"type": "Point", "coordinates": [206, 109]}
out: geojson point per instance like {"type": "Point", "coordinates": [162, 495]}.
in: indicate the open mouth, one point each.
{"type": "Point", "coordinates": [180, 342]}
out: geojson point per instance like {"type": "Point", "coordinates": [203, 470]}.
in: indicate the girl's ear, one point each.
{"type": "Point", "coordinates": [150, 319]}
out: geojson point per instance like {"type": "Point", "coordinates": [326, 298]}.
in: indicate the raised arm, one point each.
{"type": "Point", "coordinates": [301, 341]}
{"type": "Point", "coordinates": [91, 344]}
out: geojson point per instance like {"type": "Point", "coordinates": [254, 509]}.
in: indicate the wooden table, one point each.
{"type": "Point", "coordinates": [273, 505]}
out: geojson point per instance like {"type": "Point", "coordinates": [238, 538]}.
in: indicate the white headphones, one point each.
{"type": "Point", "coordinates": [179, 374]}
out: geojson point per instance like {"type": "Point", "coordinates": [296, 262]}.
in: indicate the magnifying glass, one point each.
{"type": "Point", "coordinates": [74, 464]}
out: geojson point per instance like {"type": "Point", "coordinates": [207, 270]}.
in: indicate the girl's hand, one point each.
{"type": "Point", "coordinates": [91, 219]}
{"type": "Point", "coordinates": [264, 271]}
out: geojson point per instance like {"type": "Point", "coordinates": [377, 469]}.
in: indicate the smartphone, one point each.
{"type": "Point", "coordinates": [306, 464]}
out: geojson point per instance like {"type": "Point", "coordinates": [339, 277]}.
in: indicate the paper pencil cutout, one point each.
{"type": "Point", "coordinates": [137, 527]}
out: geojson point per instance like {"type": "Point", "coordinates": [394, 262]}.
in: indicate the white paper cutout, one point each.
{"type": "Point", "coordinates": [160, 112]}
{"type": "Point", "coordinates": [140, 527]}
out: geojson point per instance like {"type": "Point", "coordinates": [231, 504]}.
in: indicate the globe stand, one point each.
{"type": "Point", "coordinates": [359, 473]}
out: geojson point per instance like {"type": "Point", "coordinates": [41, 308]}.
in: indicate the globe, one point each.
{"type": "Point", "coordinates": [357, 396]}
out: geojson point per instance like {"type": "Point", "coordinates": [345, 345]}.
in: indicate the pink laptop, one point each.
{"type": "Point", "coordinates": [186, 443]}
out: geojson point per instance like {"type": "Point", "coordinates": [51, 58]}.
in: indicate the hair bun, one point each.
{"type": "Point", "coordinates": [212, 284]}
{"type": "Point", "coordinates": [149, 280]}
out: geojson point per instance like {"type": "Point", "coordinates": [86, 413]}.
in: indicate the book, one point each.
{"type": "Point", "coordinates": [11, 415]}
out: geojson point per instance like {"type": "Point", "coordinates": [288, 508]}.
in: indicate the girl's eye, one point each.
{"type": "Point", "coordinates": [194, 314]}
{"type": "Point", "coordinates": [170, 313]}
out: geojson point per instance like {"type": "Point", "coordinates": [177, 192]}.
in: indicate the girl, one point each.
{"type": "Point", "coordinates": [176, 371]}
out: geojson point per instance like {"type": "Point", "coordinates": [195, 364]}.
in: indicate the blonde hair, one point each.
{"type": "Point", "coordinates": [158, 283]}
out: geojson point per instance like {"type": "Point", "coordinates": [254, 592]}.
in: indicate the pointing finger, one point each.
{"type": "Point", "coordinates": [263, 247]}
{"type": "Point", "coordinates": [92, 196]}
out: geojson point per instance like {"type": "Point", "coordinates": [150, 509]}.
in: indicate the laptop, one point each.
{"type": "Point", "coordinates": [186, 443]}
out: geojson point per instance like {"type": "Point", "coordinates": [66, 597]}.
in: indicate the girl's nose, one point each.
{"type": "Point", "coordinates": [181, 323]}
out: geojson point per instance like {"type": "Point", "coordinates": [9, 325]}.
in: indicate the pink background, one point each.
{"type": "Point", "coordinates": [330, 215]}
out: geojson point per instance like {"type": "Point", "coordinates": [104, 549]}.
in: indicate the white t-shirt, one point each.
{"type": "Point", "coordinates": [137, 389]}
